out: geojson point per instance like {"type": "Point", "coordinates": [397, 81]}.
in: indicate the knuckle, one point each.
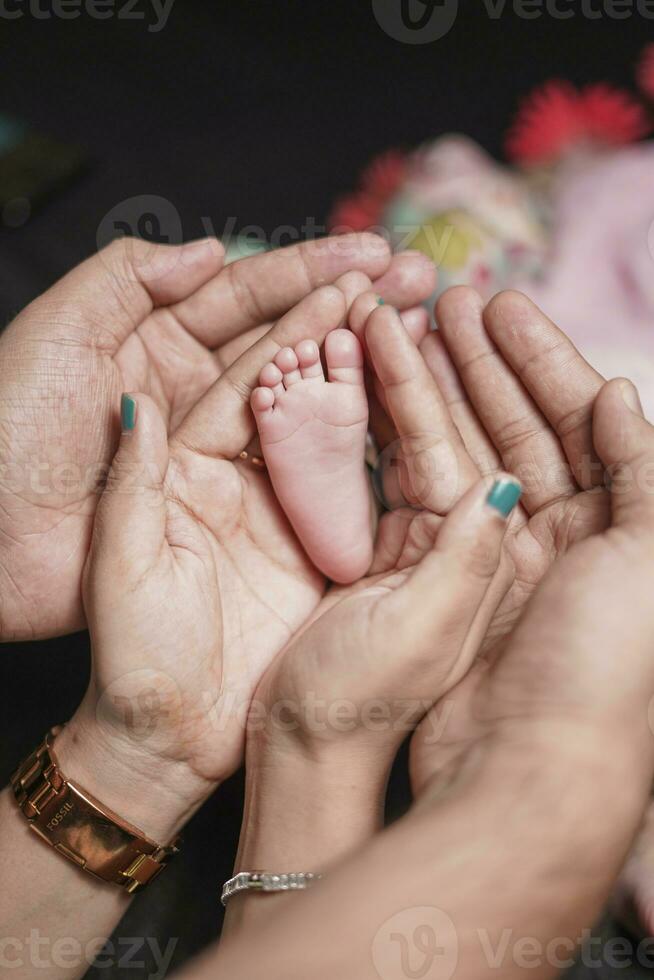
{"type": "Point", "coordinates": [356, 281]}
{"type": "Point", "coordinates": [515, 433]}
{"type": "Point", "coordinates": [244, 292]}
{"type": "Point", "coordinates": [577, 419]}
{"type": "Point", "coordinates": [329, 296]}
{"type": "Point", "coordinates": [241, 388]}
{"type": "Point", "coordinates": [130, 477]}
{"type": "Point", "coordinates": [120, 476]}
{"type": "Point", "coordinates": [480, 560]}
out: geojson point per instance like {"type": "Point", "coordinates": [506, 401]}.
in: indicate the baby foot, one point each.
{"type": "Point", "coordinates": [313, 435]}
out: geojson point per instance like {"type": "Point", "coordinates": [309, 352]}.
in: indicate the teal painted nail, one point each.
{"type": "Point", "coordinates": [503, 496]}
{"type": "Point", "coordinates": [127, 413]}
{"type": "Point", "coordinates": [380, 301]}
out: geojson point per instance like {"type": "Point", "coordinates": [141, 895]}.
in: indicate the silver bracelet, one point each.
{"type": "Point", "coordinates": [265, 881]}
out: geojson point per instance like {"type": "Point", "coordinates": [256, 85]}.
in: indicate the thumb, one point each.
{"type": "Point", "coordinates": [453, 593]}
{"type": "Point", "coordinates": [624, 441]}
{"type": "Point", "coordinates": [131, 516]}
{"type": "Point", "coordinates": [117, 288]}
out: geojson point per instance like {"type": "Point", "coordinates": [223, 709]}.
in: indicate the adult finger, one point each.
{"type": "Point", "coordinates": [474, 436]}
{"type": "Point", "coordinates": [445, 594]}
{"type": "Point", "coordinates": [263, 287]}
{"type": "Point", "coordinates": [523, 437]}
{"type": "Point", "coordinates": [131, 517]}
{"type": "Point", "coordinates": [429, 464]}
{"type": "Point", "coordinates": [351, 284]}
{"type": "Point", "coordinates": [417, 323]}
{"type": "Point", "coordinates": [624, 440]}
{"type": "Point", "coordinates": [231, 351]}
{"type": "Point", "coordinates": [410, 280]}
{"type": "Point", "coordinates": [222, 424]}
{"type": "Point", "coordinates": [562, 384]}
{"type": "Point", "coordinates": [415, 318]}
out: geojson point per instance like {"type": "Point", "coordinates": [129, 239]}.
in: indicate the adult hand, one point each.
{"type": "Point", "coordinates": [561, 715]}
{"type": "Point", "coordinates": [164, 321]}
{"type": "Point", "coordinates": [576, 676]}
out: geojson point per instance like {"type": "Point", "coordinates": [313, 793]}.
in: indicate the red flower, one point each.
{"type": "Point", "coordinates": [645, 71]}
{"type": "Point", "coordinates": [558, 116]}
{"type": "Point", "coordinates": [379, 182]}
{"type": "Point", "coordinates": [613, 116]}
{"type": "Point", "coordinates": [384, 175]}
{"type": "Point", "coordinates": [357, 212]}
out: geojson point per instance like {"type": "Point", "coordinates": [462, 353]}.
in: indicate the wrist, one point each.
{"type": "Point", "coordinates": [328, 738]}
{"type": "Point", "coordinates": [558, 772]}
{"type": "Point", "coordinates": [157, 796]}
{"type": "Point", "coordinates": [304, 810]}
{"type": "Point", "coordinates": [301, 814]}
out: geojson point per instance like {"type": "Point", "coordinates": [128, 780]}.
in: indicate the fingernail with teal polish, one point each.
{"type": "Point", "coordinates": [127, 413]}
{"type": "Point", "coordinates": [380, 301]}
{"type": "Point", "coordinates": [503, 496]}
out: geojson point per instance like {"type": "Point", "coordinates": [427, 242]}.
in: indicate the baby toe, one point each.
{"type": "Point", "coordinates": [262, 400]}
{"type": "Point", "coordinates": [344, 357]}
{"type": "Point", "coordinates": [308, 355]}
{"type": "Point", "coordinates": [271, 377]}
{"type": "Point", "coordinates": [286, 360]}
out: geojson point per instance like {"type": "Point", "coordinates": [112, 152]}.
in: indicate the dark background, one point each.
{"type": "Point", "coordinates": [261, 111]}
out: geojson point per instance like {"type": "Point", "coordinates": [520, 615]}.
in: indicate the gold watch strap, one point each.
{"type": "Point", "coordinates": [82, 829]}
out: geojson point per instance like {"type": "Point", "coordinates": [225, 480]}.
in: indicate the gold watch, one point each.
{"type": "Point", "coordinates": [82, 829]}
